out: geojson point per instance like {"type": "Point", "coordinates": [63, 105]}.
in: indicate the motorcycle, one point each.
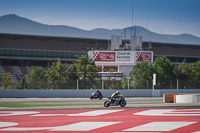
{"type": "Point", "coordinates": [118, 101]}
{"type": "Point", "coordinates": [96, 95]}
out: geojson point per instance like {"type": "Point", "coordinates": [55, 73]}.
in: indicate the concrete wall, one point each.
{"type": "Point", "coordinates": [188, 98]}
{"type": "Point", "coordinates": [87, 93]}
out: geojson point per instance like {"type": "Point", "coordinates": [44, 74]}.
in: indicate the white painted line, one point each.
{"type": "Point", "coordinates": [189, 110]}
{"type": "Point", "coordinates": [83, 126]}
{"type": "Point", "coordinates": [160, 126]}
{"type": "Point", "coordinates": [7, 124]}
{"type": "Point", "coordinates": [167, 112]}
{"type": "Point", "coordinates": [24, 128]}
{"type": "Point", "coordinates": [10, 113]}
{"type": "Point", "coordinates": [90, 113]}
{"type": "Point", "coordinates": [95, 113]}
{"type": "Point", "coordinates": [197, 113]}
{"type": "Point", "coordinates": [49, 115]}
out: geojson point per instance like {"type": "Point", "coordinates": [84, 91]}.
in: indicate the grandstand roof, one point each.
{"type": "Point", "coordinates": [52, 43]}
{"type": "Point", "coordinates": [18, 41]}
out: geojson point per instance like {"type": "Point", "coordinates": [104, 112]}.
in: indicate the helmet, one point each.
{"type": "Point", "coordinates": [117, 92]}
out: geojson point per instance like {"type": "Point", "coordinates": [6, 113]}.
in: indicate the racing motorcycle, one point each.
{"type": "Point", "coordinates": [119, 101]}
{"type": "Point", "coordinates": [96, 95]}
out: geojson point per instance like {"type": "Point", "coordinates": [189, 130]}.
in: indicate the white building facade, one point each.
{"type": "Point", "coordinates": [122, 61]}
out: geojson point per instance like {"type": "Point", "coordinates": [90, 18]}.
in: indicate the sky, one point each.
{"type": "Point", "coordinates": [160, 16]}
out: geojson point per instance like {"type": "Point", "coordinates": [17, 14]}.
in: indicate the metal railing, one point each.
{"type": "Point", "coordinates": [109, 84]}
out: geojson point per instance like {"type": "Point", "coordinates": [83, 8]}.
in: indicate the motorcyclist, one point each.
{"type": "Point", "coordinates": [114, 96]}
{"type": "Point", "coordinates": [98, 93]}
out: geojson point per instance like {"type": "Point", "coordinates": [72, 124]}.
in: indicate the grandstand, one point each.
{"type": "Point", "coordinates": [19, 52]}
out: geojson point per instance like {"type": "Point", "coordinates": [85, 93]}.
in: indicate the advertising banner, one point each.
{"type": "Point", "coordinates": [121, 56]}
{"type": "Point", "coordinates": [124, 56]}
{"type": "Point", "coordinates": [104, 56]}
{"type": "Point", "coordinates": [144, 56]}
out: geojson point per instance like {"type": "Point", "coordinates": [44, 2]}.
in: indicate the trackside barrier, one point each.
{"type": "Point", "coordinates": [188, 98]}
{"type": "Point", "coordinates": [10, 93]}
{"type": "Point", "coordinates": [169, 98]}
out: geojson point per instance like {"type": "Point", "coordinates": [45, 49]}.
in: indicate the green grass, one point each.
{"type": "Point", "coordinates": [42, 105]}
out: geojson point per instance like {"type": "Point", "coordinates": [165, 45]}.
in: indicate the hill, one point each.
{"type": "Point", "coordinates": [12, 23]}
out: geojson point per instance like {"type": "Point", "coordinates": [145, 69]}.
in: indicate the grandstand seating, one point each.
{"type": "Point", "coordinates": [2, 71]}
{"type": "Point", "coordinates": [18, 72]}
{"type": "Point", "coordinates": [24, 70]}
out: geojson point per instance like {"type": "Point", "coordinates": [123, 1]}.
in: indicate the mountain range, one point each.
{"type": "Point", "coordinates": [12, 23]}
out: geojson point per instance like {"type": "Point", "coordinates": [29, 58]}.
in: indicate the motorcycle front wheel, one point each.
{"type": "Point", "coordinates": [123, 103]}
{"type": "Point", "coordinates": [106, 103]}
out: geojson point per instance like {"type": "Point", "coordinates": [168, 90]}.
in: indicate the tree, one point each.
{"type": "Point", "coordinates": [6, 81]}
{"type": "Point", "coordinates": [85, 69]}
{"type": "Point", "coordinates": [195, 67]}
{"type": "Point", "coordinates": [57, 75]}
{"type": "Point", "coordinates": [182, 71]}
{"type": "Point", "coordinates": [124, 83]}
{"type": "Point", "coordinates": [164, 72]}
{"type": "Point", "coordinates": [36, 78]}
{"type": "Point", "coordinates": [141, 75]}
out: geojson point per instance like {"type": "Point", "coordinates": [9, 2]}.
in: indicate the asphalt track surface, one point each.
{"type": "Point", "coordinates": [141, 115]}
{"type": "Point", "coordinates": [131, 103]}
{"type": "Point", "coordinates": [107, 120]}
{"type": "Point", "coordinates": [77, 100]}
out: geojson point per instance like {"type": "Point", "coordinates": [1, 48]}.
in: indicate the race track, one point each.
{"type": "Point", "coordinates": [106, 120]}
{"type": "Point", "coordinates": [77, 100]}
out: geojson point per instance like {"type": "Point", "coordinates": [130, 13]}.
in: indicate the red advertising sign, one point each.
{"type": "Point", "coordinates": [104, 56]}
{"type": "Point", "coordinates": [143, 56]}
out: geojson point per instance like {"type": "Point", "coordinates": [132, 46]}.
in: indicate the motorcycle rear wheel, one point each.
{"type": "Point", "coordinates": [106, 103]}
{"type": "Point", "coordinates": [100, 97]}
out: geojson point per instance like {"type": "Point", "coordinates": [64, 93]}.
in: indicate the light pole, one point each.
{"type": "Point", "coordinates": [154, 80]}
{"type": "Point", "coordinates": [102, 84]}
{"type": "Point", "coordinates": [77, 83]}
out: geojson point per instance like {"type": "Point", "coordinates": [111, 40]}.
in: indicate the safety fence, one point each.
{"type": "Point", "coordinates": [108, 84]}
{"type": "Point", "coordinates": [55, 93]}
